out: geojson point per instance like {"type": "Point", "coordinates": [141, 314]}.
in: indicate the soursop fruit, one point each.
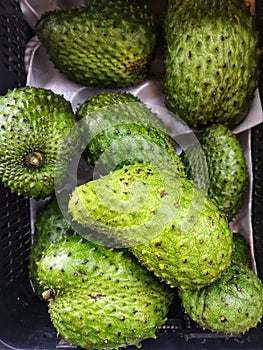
{"type": "Point", "coordinates": [118, 129]}
{"type": "Point", "coordinates": [50, 226]}
{"type": "Point", "coordinates": [222, 158]}
{"type": "Point", "coordinates": [171, 227]}
{"type": "Point", "coordinates": [101, 298]}
{"type": "Point", "coordinates": [34, 123]}
{"type": "Point", "coordinates": [196, 166]}
{"type": "Point", "coordinates": [233, 304]}
{"type": "Point", "coordinates": [241, 250]}
{"type": "Point", "coordinates": [212, 61]}
{"type": "Point", "coordinates": [102, 43]}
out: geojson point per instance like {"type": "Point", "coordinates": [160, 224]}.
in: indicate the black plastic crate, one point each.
{"type": "Point", "coordinates": [24, 320]}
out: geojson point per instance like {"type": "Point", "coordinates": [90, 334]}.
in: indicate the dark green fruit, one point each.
{"type": "Point", "coordinates": [99, 297]}
{"type": "Point", "coordinates": [33, 125]}
{"type": "Point", "coordinates": [233, 304]}
{"type": "Point", "coordinates": [212, 61]}
{"type": "Point", "coordinates": [241, 250]}
{"type": "Point", "coordinates": [50, 226]}
{"type": "Point", "coordinates": [196, 166]}
{"type": "Point", "coordinates": [170, 226]}
{"type": "Point", "coordinates": [119, 129]}
{"type": "Point", "coordinates": [223, 157]}
{"type": "Point", "coordinates": [103, 43]}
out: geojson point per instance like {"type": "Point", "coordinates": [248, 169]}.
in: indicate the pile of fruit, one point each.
{"type": "Point", "coordinates": [152, 222]}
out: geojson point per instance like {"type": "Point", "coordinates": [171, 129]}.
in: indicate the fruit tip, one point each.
{"type": "Point", "coordinates": [47, 294]}
{"type": "Point", "coordinates": [252, 5]}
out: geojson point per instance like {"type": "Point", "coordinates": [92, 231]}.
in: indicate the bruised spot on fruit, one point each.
{"type": "Point", "coordinates": [162, 193]}
{"type": "Point", "coordinates": [191, 218]}
{"type": "Point", "coordinates": [96, 296]}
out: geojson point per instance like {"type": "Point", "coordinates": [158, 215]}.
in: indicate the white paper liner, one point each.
{"type": "Point", "coordinates": [42, 73]}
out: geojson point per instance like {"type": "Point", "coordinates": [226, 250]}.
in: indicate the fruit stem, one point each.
{"type": "Point", "coordinates": [252, 5]}
{"type": "Point", "coordinates": [34, 159]}
{"type": "Point", "coordinates": [48, 294]}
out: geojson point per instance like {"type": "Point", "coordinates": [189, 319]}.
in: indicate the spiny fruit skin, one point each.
{"type": "Point", "coordinates": [103, 43]}
{"type": "Point", "coordinates": [223, 157]}
{"type": "Point", "coordinates": [210, 78]}
{"type": "Point", "coordinates": [196, 167]}
{"type": "Point", "coordinates": [50, 226]}
{"type": "Point", "coordinates": [102, 298]}
{"type": "Point", "coordinates": [233, 304]}
{"type": "Point", "coordinates": [241, 250]}
{"type": "Point", "coordinates": [172, 228]}
{"type": "Point", "coordinates": [33, 125]}
{"type": "Point", "coordinates": [122, 130]}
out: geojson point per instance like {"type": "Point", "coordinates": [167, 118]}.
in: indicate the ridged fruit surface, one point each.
{"type": "Point", "coordinates": [212, 61]}
{"type": "Point", "coordinates": [49, 227]}
{"type": "Point", "coordinates": [102, 43]}
{"type": "Point", "coordinates": [33, 125]}
{"type": "Point", "coordinates": [222, 155]}
{"type": "Point", "coordinates": [101, 298]}
{"type": "Point", "coordinates": [233, 304]}
{"type": "Point", "coordinates": [121, 129]}
{"type": "Point", "coordinates": [171, 227]}
{"type": "Point", "coordinates": [241, 250]}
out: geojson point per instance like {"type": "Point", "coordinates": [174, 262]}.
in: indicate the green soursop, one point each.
{"type": "Point", "coordinates": [222, 158]}
{"type": "Point", "coordinates": [50, 226]}
{"type": "Point", "coordinates": [212, 61]}
{"type": "Point", "coordinates": [120, 129]}
{"type": "Point", "coordinates": [101, 298]}
{"type": "Point", "coordinates": [102, 43]}
{"type": "Point", "coordinates": [233, 304]}
{"type": "Point", "coordinates": [170, 226]}
{"type": "Point", "coordinates": [241, 250]}
{"type": "Point", "coordinates": [33, 125]}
